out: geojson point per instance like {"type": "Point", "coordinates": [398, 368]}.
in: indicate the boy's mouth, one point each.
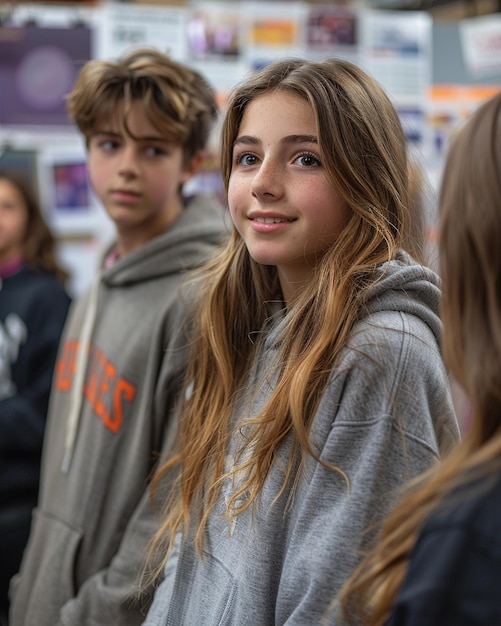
{"type": "Point", "coordinates": [125, 195]}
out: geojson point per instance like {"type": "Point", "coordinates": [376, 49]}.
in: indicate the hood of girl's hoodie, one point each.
{"type": "Point", "coordinates": [410, 288]}
{"type": "Point", "coordinates": [403, 286]}
{"type": "Point", "coordinates": [187, 243]}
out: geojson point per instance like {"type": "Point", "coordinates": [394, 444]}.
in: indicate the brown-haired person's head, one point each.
{"type": "Point", "coordinates": [361, 139]}
{"type": "Point", "coordinates": [147, 120]}
{"type": "Point", "coordinates": [178, 101]}
{"type": "Point", "coordinates": [29, 235]}
{"type": "Point", "coordinates": [470, 267]}
{"type": "Point", "coordinates": [470, 261]}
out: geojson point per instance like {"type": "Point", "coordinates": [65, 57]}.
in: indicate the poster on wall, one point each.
{"type": "Point", "coordinates": [273, 30]}
{"type": "Point", "coordinates": [81, 226]}
{"type": "Point", "coordinates": [450, 106]}
{"type": "Point", "coordinates": [65, 189]}
{"type": "Point", "coordinates": [124, 27]}
{"type": "Point", "coordinates": [38, 67]}
{"type": "Point", "coordinates": [332, 31]}
{"type": "Point", "coordinates": [216, 43]}
{"type": "Point", "coordinates": [481, 44]}
{"type": "Point", "coordinates": [214, 32]}
{"type": "Point", "coordinates": [396, 49]}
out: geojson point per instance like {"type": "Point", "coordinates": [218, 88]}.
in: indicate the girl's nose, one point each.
{"type": "Point", "coordinates": [268, 181]}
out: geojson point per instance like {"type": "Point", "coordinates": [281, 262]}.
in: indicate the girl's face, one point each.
{"type": "Point", "coordinates": [280, 199]}
{"type": "Point", "coordinates": [13, 221]}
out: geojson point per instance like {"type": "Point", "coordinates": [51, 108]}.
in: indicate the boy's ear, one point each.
{"type": "Point", "coordinates": [193, 166]}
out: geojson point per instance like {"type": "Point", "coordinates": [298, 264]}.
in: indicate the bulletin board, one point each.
{"type": "Point", "coordinates": [43, 47]}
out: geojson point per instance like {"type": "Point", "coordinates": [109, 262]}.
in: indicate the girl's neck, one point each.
{"type": "Point", "coordinates": [10, 266]}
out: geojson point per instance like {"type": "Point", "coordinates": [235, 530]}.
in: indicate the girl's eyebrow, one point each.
{"type": "Point", "coordinates": [289, 139]}
{"type": "Point", "coordinates": [247, 140]}
{"type": "Point", "coordinates": [300, 139]}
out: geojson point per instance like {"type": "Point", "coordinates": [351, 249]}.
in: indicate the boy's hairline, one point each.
{"type": "Point", "coordinates": [147, 138]}
{"type": "Point", "coordinates": [93, 130]}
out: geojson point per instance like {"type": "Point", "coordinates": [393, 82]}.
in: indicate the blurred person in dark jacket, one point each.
{"type": "Point", "coordinates": [33, 308]}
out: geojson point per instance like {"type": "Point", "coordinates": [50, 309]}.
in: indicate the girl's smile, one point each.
{"type": "Point", "coordinates": [268, 222]}
{"type": "Point", "coordinates": [280, 199]}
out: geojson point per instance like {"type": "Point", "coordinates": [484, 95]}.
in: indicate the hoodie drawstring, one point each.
{"type": "Point", "coordinates": [79, 379]}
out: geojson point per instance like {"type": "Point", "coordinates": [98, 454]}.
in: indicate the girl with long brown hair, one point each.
{"type": "Point", "coordinates": [438, 562]}
{"type": "Point", "coordinates": [33, 308]}
{"type": "Point", "coordinates": [316, 384]}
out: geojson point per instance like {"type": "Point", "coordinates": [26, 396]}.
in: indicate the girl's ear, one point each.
{"type": "Point", "coordinates": [193, 166]}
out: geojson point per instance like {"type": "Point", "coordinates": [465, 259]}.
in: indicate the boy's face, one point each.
{"type": "Point", "coordinates": [137, 180]}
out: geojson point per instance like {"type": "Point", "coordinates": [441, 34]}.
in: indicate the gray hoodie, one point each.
{"type": "Point", "coordinates": [117, 377]}
{"type": "Point", "coordinates": [385, 416]}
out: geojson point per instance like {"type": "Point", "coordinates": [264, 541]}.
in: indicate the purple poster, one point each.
{"type": "Point", "coordinates": [38, 67]}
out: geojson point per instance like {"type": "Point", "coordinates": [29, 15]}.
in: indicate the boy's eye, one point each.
{"type": "Point", "coordinates": [108, 144]}
{"type": "Point", "coordinates": [154, 151]}
{"type": "Point", "coordinates": [307, 160]}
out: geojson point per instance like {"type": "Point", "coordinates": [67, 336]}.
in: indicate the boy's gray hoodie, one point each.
{"type": "Point", "coordinates": [122, 354]}
{"type": "Point", "coordinates": [385, 416]}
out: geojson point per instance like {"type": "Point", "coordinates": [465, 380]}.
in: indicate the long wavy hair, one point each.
{"type": "Point", "coordinates": [363, 152]}
{"type": "Point", "coordinates": [39, 245]}
{"type": "Point", "coordinates": [470, 265]}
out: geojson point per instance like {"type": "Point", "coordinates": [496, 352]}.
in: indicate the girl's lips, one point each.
{"type": "Point", "coordinates": [271, 220]}
{"type": "Point", "coordinates": [269, 224]}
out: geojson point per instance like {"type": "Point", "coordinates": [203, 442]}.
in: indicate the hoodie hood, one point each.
{"type": "Point", "coordinates": [407, 287]}
{"type": "Point", "coordinates": [187, 242]}
{"type": "Point", "coordinates": [401, 285]}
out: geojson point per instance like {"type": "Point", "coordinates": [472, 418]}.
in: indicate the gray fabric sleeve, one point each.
{"type": "Point", "coordinates": [157, 615]}
{"type": "Point", "coordinates": [387, 426]}
{"type": "Point", "coordinates": [113, 596]}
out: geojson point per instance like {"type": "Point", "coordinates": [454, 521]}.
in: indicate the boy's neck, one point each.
{"type": "Point", "coordinates": [112, 257]}
{"type": "Point", "coordinates": [128, 240]}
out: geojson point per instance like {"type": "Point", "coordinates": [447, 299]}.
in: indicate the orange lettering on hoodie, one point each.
{"type": "Point", "coordinates": [124, 391]}
{"type": "Point", "coordinates": [66, 364]}
{"type": "Point", "coordinates": [96, 364]}
{"type": "Point", "coordinates": [106, 392]}
{"type": "Point", "coordinates": [103, 389]}
{"type": "Point", "coordinates": [108, 376]}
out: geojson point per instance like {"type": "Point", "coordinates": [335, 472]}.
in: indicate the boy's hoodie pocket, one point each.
{"type": "Point", "coordinates": [42, 596]}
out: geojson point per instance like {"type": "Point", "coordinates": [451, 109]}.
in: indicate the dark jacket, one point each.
{"type": "Point", "coordinates": [33, 308]}
{"type": "Point", "coordinates": [455, 570]}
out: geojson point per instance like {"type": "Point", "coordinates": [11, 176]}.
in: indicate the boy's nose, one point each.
{"type": "Point", "coordinates": [129, 162]}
